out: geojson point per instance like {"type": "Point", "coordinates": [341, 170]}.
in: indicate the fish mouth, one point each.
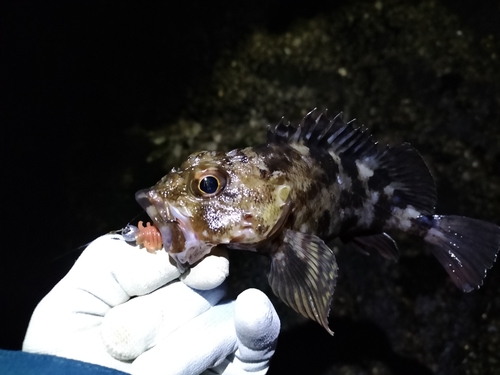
{"type": "Point", "coordinates": [164, 215]}
{"type": "Point", "coordinates": [159, 213]}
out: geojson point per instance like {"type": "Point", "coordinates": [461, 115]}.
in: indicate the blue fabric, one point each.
{"type": "Point", "coordinates": [17, 362]}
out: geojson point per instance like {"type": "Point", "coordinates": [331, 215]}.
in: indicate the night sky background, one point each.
{"type": "Point", "coordinates": [77, 80]}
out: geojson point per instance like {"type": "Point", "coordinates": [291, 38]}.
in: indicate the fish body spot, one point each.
{"type": "Point", "coordinates": [402, 218]}
{"type": "Point", "coordinates": [388, 190]}
{"type": "Point", "coordinates": [364, 172]}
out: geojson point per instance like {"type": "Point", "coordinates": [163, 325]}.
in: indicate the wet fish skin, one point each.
{"type": "Point", "coordinates": [306, 185]}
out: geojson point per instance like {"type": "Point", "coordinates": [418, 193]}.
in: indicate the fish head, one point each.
{"type": "Point", "coordinates": [216, 198]}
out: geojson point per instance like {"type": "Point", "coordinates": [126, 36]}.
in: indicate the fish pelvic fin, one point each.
{"type": "Point", "coordinates": [303, 274]}
{"type": "Point", "coordinates": [383, 243]}
{"type": "Point", "coordinates": [465, 247]}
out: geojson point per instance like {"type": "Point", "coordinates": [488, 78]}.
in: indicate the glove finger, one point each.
{"type": "Point", "coordinates": [257, 328]}
{"type": "Point", "coordinates": [113, 271]}
{"type": "Point", "coordinates": [210, 272]}
{"type": "Point", "coordinates": [204, 342]}
{"type": "Point", "coordinates": [107, 273]}
{"type": "Point", "coordinates": [139, 324]}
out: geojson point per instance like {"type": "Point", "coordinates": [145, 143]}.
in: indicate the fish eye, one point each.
{"type": "Point", "coordinates": [209, 184]}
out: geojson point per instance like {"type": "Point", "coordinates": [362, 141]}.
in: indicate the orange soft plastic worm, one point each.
{"type": "Point", "coordinates": [148, 236]}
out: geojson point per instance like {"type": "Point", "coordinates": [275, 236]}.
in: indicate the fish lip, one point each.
{"type": "Point", "coordinates": [159, 213]}
{"type": "Point", "coordinates": [164, 214]}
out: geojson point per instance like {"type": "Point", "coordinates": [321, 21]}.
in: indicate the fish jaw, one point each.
{"type": "Point", "coordinates": [165, 215]}
{"type": "Point", "coordinates": [158, 212]}
{"type": "Point", "coordinates": [195, 248]}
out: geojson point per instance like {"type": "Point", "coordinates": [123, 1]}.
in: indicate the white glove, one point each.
{"type": "Point", "coordinates": [169, 329]}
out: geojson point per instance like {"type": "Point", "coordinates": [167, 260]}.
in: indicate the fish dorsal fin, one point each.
{"type": "Point", "coordinates": [322, 132]}
{"type": "Point", "coordinates": [400, 169]}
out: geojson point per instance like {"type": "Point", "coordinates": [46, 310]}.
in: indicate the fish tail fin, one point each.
{"type": "Point", "coordinates": [303, 274]}
{"type": "Point", "coordinates": [465, 247]}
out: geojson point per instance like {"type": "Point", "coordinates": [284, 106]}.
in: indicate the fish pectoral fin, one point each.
{"type": "Point", "coordinates": [382, 242]}
{"type": "Point", "coordinates": [303, 274]}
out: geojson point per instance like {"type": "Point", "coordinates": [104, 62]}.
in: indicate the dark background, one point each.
{"type": "Point", "coordinates": [76, 77]}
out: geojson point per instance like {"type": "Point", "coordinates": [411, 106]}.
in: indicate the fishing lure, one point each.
{"type": "Point", "coordinates": [147, 236]}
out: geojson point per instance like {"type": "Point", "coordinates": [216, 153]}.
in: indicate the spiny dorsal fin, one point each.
{"type": "Point", "coordinates": [322, 132]}
{"type": "Point", "coordinates": [399, 168]}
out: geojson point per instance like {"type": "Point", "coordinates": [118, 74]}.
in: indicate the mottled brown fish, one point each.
{"type": "Point", "coordinates": [306, 186]}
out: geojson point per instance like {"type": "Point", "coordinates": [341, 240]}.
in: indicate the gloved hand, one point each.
{"type": "Point", "coordinates": [169, 328]}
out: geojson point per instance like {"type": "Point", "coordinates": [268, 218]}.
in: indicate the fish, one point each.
{"type": "Point", "coordinates": [304, 187]}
